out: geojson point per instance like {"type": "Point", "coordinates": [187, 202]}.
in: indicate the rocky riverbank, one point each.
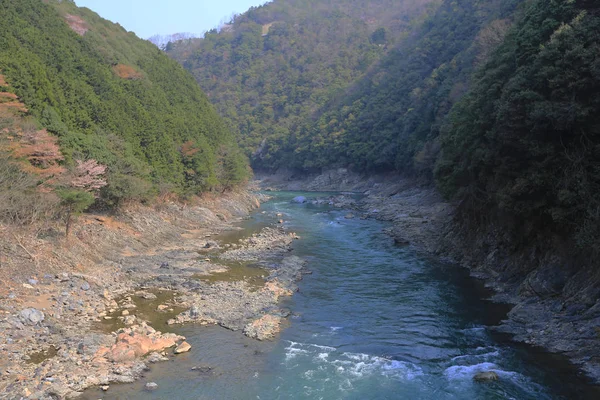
{"type": "Point", "coordinates": [556, 300]}
{"type": "Point", "coordinates": [96, 309]}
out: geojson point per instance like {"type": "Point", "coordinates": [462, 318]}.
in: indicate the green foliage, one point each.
{"type": "Point", "coordinates": [74, 202]}
{"type": "Point", "coordinates": [234, 169]}
{"type": "Point", "coordinates": [498, 99]}
{"type": "Point", "coordinates": [108, 84]}
{"type": "Point", "coordinates": [273, 69]}
{"type": "Point", "coordinates": [524, 144]}
{"type": "Point", "coordinates": [379, 36]}
{"type": "Point", "coordinates": [390, 118]}
{"type": "Point", "coordinates": [123, 187]}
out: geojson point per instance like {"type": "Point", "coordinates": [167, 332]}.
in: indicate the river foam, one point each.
{"type": "Point", "coordinates": [350, 365]}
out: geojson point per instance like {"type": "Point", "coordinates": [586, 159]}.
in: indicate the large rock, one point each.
{"type": "Point", "coordinates": [183, 348]}
{"type": "Point", "coordinates": [132, 344]}
{"type": "Point", "coordinates": [299, 199]}
{"type": "Point", "coordinates": [156, 357]}
{"type": "Point", "coordinates": [485, 376]}
{"type": "Point", "coordinates": [31, 316]}
{"type": "Point", "coordinates": [266, 327]}
{"type": "Point", "coordinates": [147, 295]}
{"type": "Point", "coordinates": [277, 289]}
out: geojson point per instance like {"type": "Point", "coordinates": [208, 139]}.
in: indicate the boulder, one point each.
{"type": "Point", "coordinates": [266, 327]}
{"type": "Point", "coordinates": [131, 345]}
{"type": "Point", "coordinates": [299, 199]}
{"type": "Point", "coordinates": [147, 295]}
{"type": "Point", "coordinates": [194, 311]}
{"type": "Point", "coordinates": [150, 386]}
{"type": "Point", "coordinates": [203, 368]}
{"type": "Point", "coordinates": [184, 347]}
{"type": "Point", "coordinates": [31, 316]}
{"type": "Point", "coordinates": [156, 357]}
{"type": "Point", "coordinates": [485, 376]}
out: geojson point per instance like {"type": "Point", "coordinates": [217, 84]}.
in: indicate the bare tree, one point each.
{"type": "Point", "coordinates": [490, 37]}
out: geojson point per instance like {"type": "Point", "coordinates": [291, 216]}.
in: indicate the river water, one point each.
{"type": "Point", "coordinates": [373, 321]}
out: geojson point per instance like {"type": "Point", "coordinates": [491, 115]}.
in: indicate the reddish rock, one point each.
{"type": "Point", "coordinates": [277, 289]}
{"type": "Point", "coordinates": [184, 347]}
{"type": "Point", "coordinates": [131, 345]}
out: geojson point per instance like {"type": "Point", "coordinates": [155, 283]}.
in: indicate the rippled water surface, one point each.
{"type": "Point", "coordinates": [373, 321]}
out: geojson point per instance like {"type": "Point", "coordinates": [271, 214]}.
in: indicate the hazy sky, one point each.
{"type": "Point", "coordinates": [149, 17]}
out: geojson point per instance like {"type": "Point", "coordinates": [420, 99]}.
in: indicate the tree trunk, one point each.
{"type": "Point", "coordinates": [68, 224]}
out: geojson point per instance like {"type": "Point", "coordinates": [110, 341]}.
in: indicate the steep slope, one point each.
{"type": "Point", "coordinates": [274, 67]}
{"type": "Point", "coordinates": [114, 98]}
{"type": "Point", "coordinates": [522, 149]}
{"type": "Point", "coordinates": [389, 119]}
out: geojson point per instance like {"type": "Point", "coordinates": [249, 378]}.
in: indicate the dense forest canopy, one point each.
{"type": "Point", "coordinates": [524, 143]}
{"type": "Point", "coordinates": [389, 119]}
{"type": "Point", "coordinates": [114, 98]}
{"type": "Point", "coordinates": [496, 101]}
{"type": "Point", "coordinates": [273, 68]}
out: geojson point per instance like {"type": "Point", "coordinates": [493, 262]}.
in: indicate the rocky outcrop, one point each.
{"type": "Point", "coordinates": [184, 347]}
{"type": "Point", "coordinates": [556, 296]}
{"type": "Point", "coordinates": [234, 305]}
{"type": "Point", "coordinates": [135, 342]}
{"type": "Point", "coordinates": [485, 376]}
{"type": "Point", "coordinates": [268, 243]}
{"type": "Point", "coordinates": [263, 328]}
{"type": "Point", "coordinates": [70, 316]}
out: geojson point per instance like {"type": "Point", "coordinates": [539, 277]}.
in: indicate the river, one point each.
{"type": "Point", "coordinates": [373, 321]}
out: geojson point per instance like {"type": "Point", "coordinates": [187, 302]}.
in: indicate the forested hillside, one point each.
{"type": "Point", "coordinates": [273, 68]}
{"type": "Point", "coordinates": [498, 100]}
{"type": "Point", "coordinates": [390, 118]}
{"type": "Point", "coordinates": [120, 111]}
{"type": "Point", "coordinates": [522, 149]}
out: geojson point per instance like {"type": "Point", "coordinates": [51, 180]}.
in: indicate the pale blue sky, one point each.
{"type": "Point", "coordinates": [149, 17]}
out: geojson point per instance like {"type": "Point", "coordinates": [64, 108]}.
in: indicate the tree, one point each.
{"type": "Point", "coordinates": [88, 90]}
{"type": "Point", "coordinates": [522, 148]}
{"type": "Point", "coordinates": [88, 175]}
{"type": "Point", "coordinates": [379, 36]}
{"type": "Point", "coordinates": [74, 202]}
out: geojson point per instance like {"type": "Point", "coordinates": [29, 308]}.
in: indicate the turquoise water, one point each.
{"type": "Point", "coordinates": [373, 321]}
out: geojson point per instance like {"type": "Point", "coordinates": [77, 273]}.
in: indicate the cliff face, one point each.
{"type": "Point", "coordinates": [556, 297]}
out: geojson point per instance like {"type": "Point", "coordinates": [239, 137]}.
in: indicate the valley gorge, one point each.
{"type": "Point", "coordinates": [316, 200]}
